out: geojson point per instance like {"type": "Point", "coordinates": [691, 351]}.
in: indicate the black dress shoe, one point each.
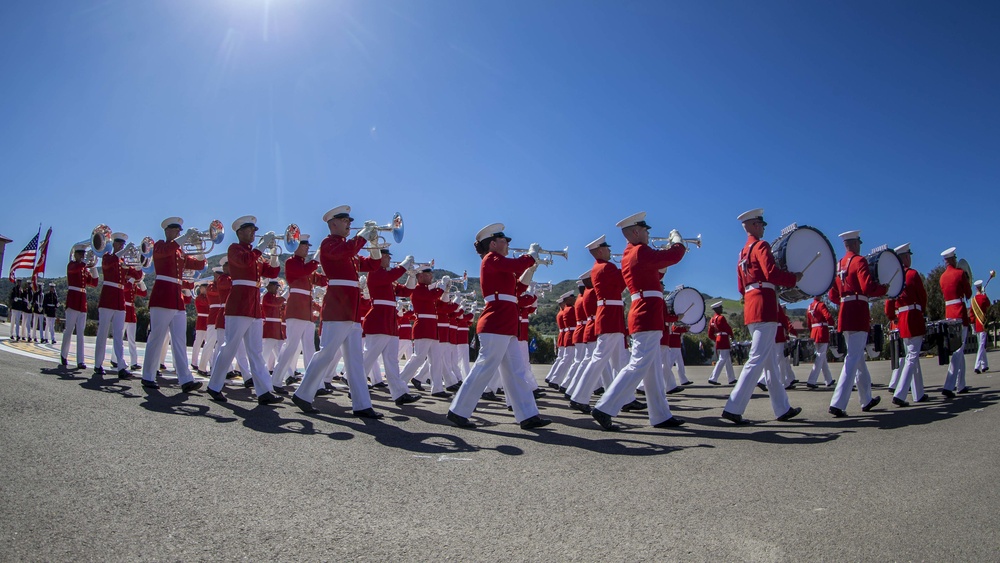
{"type": "Point", "coordinates": [567, 396]}
{"type": "Point", "coordinates": [604, 419]}
{"type": "Point", "coordinates": [687, 383]}
{"type": "Point", "coordinates": [248, 383]}
{"type": "Point", "coordinates": [191, 386]}
{"type": "Point", "coordinates": [585, 409]}
{"type": "Point", "coordinates": [416, 384]}
{"type": "Point", "coordinates": [922, 399]}
{"type": "Point", "coordinates": [871, 404]}
{"type": "Point", "coordinates": [635, 405]}
{"type": "Point", "coordinates": [380, 385]}
{"type": "Point", "coordinates": [891, 389]}
{"type": "Point", "coordinates": [304, 405]}
{"type": "Point", "coordinates": [790, 386]}
{"type": "Point", "coordinates": [977, 371]}
{"type": "Point", "coordinates": [538, 393]}
{"type": "Point", "coordinates": [837, 413]}
{"type": "Point", "coordinates": [269, 399]}
{"type": "Point", "coordinates": [280, 391]}
{"type": "Point", "coordinates": [490, 396]}
{"type": "Point", "coordinates": [163, 367]}
{"type": "Point", "coordinates": [948, 393]}
{"type": "Point", "coordinates": [672, 422]}
{"type": "Point", "coordinates": [231, 375]}
{"type": "Point", "coordinates": [63, 361]}
{"type": "Point", "coordinates": [900, 402]}
{"type": "Point", "coordinates": [673, 391]}
{"type": "Point", "coordinates": [553, 385]}
{"type": "Point", "coordinates": [812, 386]}
{"type": "Point", "coordinates": [99, 371]}
{"type": "Point", "coordinates": [965, 390]}
{"type": "Point", "coordinates": [124, 374]}
{"type": "Point", "coordinates": [368, 413]}
{"type": "Point", "coordinates": [640, 392]}
{"type": "Point", "coordinates": [81, 366]}
{"type": "Point", "coordinates": [407, 398]}
{"type": "Point", "coordinates": [453, 388]}
{"type": "Point", "coordinates": [534, 422]}
{"type": "Point", "coordinates": [762, 387]}
{"type": "Point", "coordinates": [832, 384]}
{"type": "Point", "coordinates": [114, 364]}
{"type": "Point", "coordinates": [150, 384]}
{"type": "Point", "coordinates": [792, 413]}
{"type": "Point", "coordinates": [325, 390]}
{"type": "Point", "coordinates": [135, 367]}
{"type": "Point", "coordinates": [217, 396]}
{"type": "Point", "coordinates": [441, 395]}
{"type": "Point", "coordinates": [460, 421]}
{"type": "Point", "coordinates": [599, 391]}
{"type": "Point", "coordinates": [562, 389]}
{"type": "Point", "coordinates": [734, 418]}
{"type": "Point", "coordinates": [710, 382]}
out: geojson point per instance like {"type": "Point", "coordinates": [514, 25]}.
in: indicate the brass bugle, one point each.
{"type": "Point", "coordinates": [542, 253]}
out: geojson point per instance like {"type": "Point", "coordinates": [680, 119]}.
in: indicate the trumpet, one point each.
{"type": "Point", "coordinates": [377, 242]}
{"type": "Point", "coordinates": [617, 258]}
{"type": "Point", "coordinates": [661, 242]}
{"type": "Point", "coordinates": [545, 257]}
{"type": "Point", "coordinates": [268, 243]}
{"type": "Point", "coordinates": [100, 240]}
{"type": "Point", "coordinates": [417, 266]}
{"type": "Point", "coordinates": [146, 253]}
{"type": "Point", "coordinates": [199, 243]}
{"type": "Point", "coordinates": [134, 258]}
{"type": "Point", "coordinates": [89, 257]}
{"type": "Point", "coordinates": [541, 289]}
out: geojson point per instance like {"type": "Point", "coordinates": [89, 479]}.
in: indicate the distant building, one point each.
{"type": "Point", "coordinates": [3, 245]}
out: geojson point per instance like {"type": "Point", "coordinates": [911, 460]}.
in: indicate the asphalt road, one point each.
{"type": "Point", "coordinates": [99, 470]}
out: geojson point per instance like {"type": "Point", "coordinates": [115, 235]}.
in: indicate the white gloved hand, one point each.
{"type": "Point", "coordinates": [533, 250]}
{"type": "Point", "coordinates": [142, 285]}
{"type": "Point", "coordinates": [369, 231]}
{"type": "Point", "coordinates": [675, 237]}
{"type": "Point", "coordinates": [274, 261]}
{"type": "Point", "coordinates": [527, 275]}
{"type": "Point", "coordinates": [446, 283]}
{"type": "Point", "coordinates": [93, 272]}
{"type": "Point", "coordinates": [411, 280]}
{"type": "Point", "coordinates": [407, 263]}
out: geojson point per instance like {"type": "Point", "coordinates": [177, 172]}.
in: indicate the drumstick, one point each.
{"type": "Point", "coordinates": [892, 278]}
{"type": "Point", "coordinates": [818, 254]}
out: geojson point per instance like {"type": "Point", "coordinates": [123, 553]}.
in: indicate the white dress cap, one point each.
{"type": "Point", "coordinates": [172, 221]}
{"type": "Point", "coordinates": [584, 276]}
{"type": "Point", "coordinates": [599, 242]}
{"type": "Point", "coordinates": [244, 220]}
{"type": "Point", "coordinates": [338, 212]}
{"type": "Point", "coordinates": [751, 215]}
{"type": "Point", "coordinates": [304, 239]}
{"type": "Point", "coordinates": [217, 269]}
{"type": "Point", "coordinates": [491, 231]}
{"type": "Point", "coordinates": [567, 295]}
{"type": "Point", "coordinates": [849, 235]}
{"type": "Point", "coordinates": [637, 219]}
{"type": "Point", "coordinates": [119, 236]}
{"type": "Point", "coordinates": [902, 249]}
{"type": "Point", "coordinates": [717, 305]}
{"type": "Point", "coordinates": [949, 253]}
{"type": "Point", "coordinates": [979, 283]}
{"type": "Point", "coordinates": [224, 260]}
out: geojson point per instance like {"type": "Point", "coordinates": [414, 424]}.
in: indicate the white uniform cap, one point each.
{"type": "Point", "coordinates": [52, 284]}
{"type": "Point", "coordinates": [599, 242]}
{"type": "Point", "coordinates": [119, 236]}
{"type": "Point", "coordinates": [751, 215]}
{"type": "Point", "coordinates": [223, 261]}
{"type": "Point", "coordinates": [338, 212]}
{"type": "Point", "coordinates": [244, 220]}
{"type": "Point", "coordinates": [80, 247]}
{"type": "Point", "coordinates": [567, 295]}
{"type": "Point", "coordinates": [304, 239]}
{"type": "Point", "coordinates": [491, 231]}
{"type": "Point", "coordinates": [217, 269]}
{"type": "Point", "coordinates": [584, 276]}
{"type": "Point", "coordinates": [632, 220]}
{"type": "Point", "coordinates": [717, 305]}
{"type": "Point", "coordinates": [849, 235]}
{"type": "Point", "coordinates": [902, 249]}
{"type": "Point", "coordinates": [172, 221]}
{"type": "Point", "coordinates": [979, 283]}
{"type": "Point", "coordinates": [949, 253]}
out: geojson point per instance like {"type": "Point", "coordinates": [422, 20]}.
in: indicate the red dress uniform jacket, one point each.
{"type": "Point", "coordinates": [525, 307]}
{"type": "Point", "coordinates": [214, 304]}
{"type": "Point", "coordinates": [720, 331]}
{"type": "Point", "coordinates": [116, 276]}
{"type": "Point", "coordinates": [201, 308]}
{"type": "Point", "coordinates": [463, 323]}
{"type": "Point", "coordinates": [608, 287]}
{"type": "Point", "coordinates": [819, 319]}
{"type": "Point", "coordinates": [984, 306]}
{"type": "Point", "coordinates": [301, 277]}
{"type": "Point", "coordinates": [569, 319]}
{"type": "Point", "coordinates": [131, 292]}
{"type": "Point", "coordinates": [445, 309]}
{"type": "Point", "coordinates": [498, 276]}
{"type": "Point", "coordinates": [641, 267]}
{"type": "Point", "coordinates": [424, 300]}
{"type": "Point", "coordinates": [340, 262]}
{"type": "Point", "coordinates": [889, 308]}
{"type": "Point", "coordinates": [674, 338]}
{"type": "Point", "coordinates": [406, 326]}
{"type": "Point", "coordinates": [364, 306]}
{"type": "Point", "coordinates": [78, 279]}
{"type": "Point", "coordinates": [590, 308]}
{"type": "Point", "coordinates": [382, 317]}
{"type": "Point", "coordinates": [561, 326]}
{"type": "Point", "coordinates": [910, 305]}
{"type": "Point", "coordinates": [580, 312]}
{"type": "Point", "coordinates": [852, 287]}
{"type": "Point", "coordinates": [246, 267]}
{"type": "Point", "coordinates": [784, 328]}
{"type": "Point", "coordinates": [169, 261]}
{"type": "Point", "coordinates": [272, 307]}
{"type": "Point", "coordinates": [955, 286]}
{"type": "Point", "coordinates": [668, 320]}
{"type": "Point", "coordinates": [225, 285]}
{"type": "Point", "coordinates": [756, 277]}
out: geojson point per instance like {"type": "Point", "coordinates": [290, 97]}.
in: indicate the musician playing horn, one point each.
{"type": "Point", "coordinates": [757, 277]}
{"type": "Point", "coordinates": [78, 278]}
{"type": "Point", "coordinates": [908, 308]}
{"type": "Point", "coordinates": [956, 287]}
{"type": "Point", "coordinates": [980, 308]}
{"type": "Point", "coordinates": [167, 312]}
{"type": "Point", "coordinates": [642, 269]}
{"type": "Point", "coordinates": [720, 331]}
{"type": "Point", "coordinates": [111, 309]}
{"type": "Point", "coordinates": [300, 330]}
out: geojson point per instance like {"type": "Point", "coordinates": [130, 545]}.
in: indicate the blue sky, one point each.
{"type": "Point", "coordinates": [557, 118]}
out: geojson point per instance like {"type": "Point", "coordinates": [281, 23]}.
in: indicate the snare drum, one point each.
{"type": "Point", "coordinates": [687, 304]}
{"type": "Point", "coordinates": [886, 268]}
{"type": "Point", "coordinates": [794, 251]}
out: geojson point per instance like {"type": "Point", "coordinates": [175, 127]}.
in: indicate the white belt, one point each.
{"type": "Point", "coordinates": [385, 302]}
{"type": "Point", "coordinates": [524, 320]}
{"type": "Point", "coordinates": [405, 326]}
{"type": "Point", "coordinates": [819, 324]}
{"type": "Point", "coordinates": [590, 319]}
{"type": "Point", "coordinates": [722, 334]}
{"type": "Point", "coordinates": [247, 283]}
{"type": "Point", "coordinates": [759, 285]}
{"type": "Point", "coordinates": [271, 320]}
{"type": "Point", "coordinates": [300, 291]}
{"type": "Point", "coordinates": [170, 279]}
{"type": "Point", "coordinates": [465, 328]}
{"type": "Point", "coordinates": [427, 316]}
{"type": "Point", "coordinates": [953, 302]}
{"type": "Point", "coordinates": [453, 327]}
{"type": "Point", "coordinates": [606, 302]}
{"type": "Point", "coordinates": [647, 294]}
{"type": "Point", "coordinates": [909, 308]}
{"type": "Point", "coordinates": [199, 314]}
{"type": "Point", "coordinates": [345, 283]}
{"type": "Point", "coordinates": [113, 284]}
{"type": "Point", "coordinates": [216, 306]}
{"type": "Point", "coordinates": [74, 288]}
{"type": "Point", "coordinates": [501, 297]}
{"type": "Point", "coordinates": [854, 298]}
{"type": "Point", "coordinates": [445, 325]}
{"type": "Point", "coordinates": [579, 323]}
{"type": "Point", "coordinates": [127, 304]}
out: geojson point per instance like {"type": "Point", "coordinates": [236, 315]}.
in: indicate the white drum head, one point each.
{"type": "Point", "coordinates": [802, 247]}
{"type": "Point", "coordinates": [699, 327]}
{"type": "Point", "coordinates": [890, 270]}
{"type": "Point", "coordinates": [687, 304]}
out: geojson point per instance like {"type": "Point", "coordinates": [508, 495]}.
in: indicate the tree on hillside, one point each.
{"type": "Point", "coordinates": [935, 301]}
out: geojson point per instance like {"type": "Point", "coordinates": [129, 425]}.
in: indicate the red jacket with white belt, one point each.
{"type": "Point", "coordinates": [641, 265]}
{"type": "Point", "coordinates": [341, 264]}
{"type": "Point", "coordinates": [272, 307]}
{"type": "Point", "coordinates": [608, 287]}
{"type": "Point", "coordinates": [201, 307]}
{"type": "Point", "coordinates": [301, 277]}
{"type": "Point", "coordinates": [381, 319]}
{"type": "Point", "coordinates": [720, 331]}
{"type": "Point", "coordinates": [756, 276]}
{"type": "Point", "coordinates": [169, 261]}
{"type": "Point", "coordinates": [246, 267]}
{"type": "Point", "coordinates": [116, 275]}
{"type": "Point", "coordinates": [78, 279]}
{"type": "Point", "coordinates": [424, 300]}
{"type": "Point", "coordinates": [852, 287]}
{"type": "Point", "coordinates": [910, 305]}
{"type": "Point", "coordinates": [819, 319]}
{"type": "Point", "coordinates": [498, 277]}
{"type": "Point", "coordinates": [131, 292]}
{"type": "Point", "coordinates": [955, 286]}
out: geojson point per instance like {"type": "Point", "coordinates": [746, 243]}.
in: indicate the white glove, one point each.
{"type": "Point", "coordinates": [675, 237]}
{"type": "Point", "coordinates": [533, 251]}
{"type": "Point", "coordinates": [446, 283]}
{"type": "Point", "coordinates": [411, 280]}
{"type": "Point", "coordinates": [369, 231]}
{"type": "Point", "coordinates": [274, 261]}
{"type": "Point", "coordinates": [527, 275]}
{"type": "Point", "coordinates": [407, 263]}
{"type": "Point", "coordinates": [93, 272]}
{"type": "Point", "coordinates": [446, 297]}
{"type": "Point", "coordinates": [142, 285]}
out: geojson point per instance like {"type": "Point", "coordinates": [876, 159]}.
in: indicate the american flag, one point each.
{"type": "Point", "coordinates": [42, 253]}
{"type": "Point", "coordinates": [26, 259]}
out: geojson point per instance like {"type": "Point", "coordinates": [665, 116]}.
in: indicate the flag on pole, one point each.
{"type": "Point", "coordinates": [42, 253]}
{"type": "Point", "coordinates": [25, 260]}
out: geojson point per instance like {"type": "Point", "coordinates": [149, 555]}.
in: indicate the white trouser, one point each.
{"type": "Point", "coordinates": [387, 347]}
{"type": "Point", "coordinates": [726, 361]}
{"type": "Point", "coordinates": [421, 353]}
{"type": "Point", "coordinates": [75, 323]}
{"type": "Point", "coordinates": [299, 335]}
{"type": "Point", "coordinates": [241, 353]}
{"type": "Point", "coordinates": [784, 371]}
{"type": "Point", "coordinates": [955, 381]}
{"type": "Point", "coordinates": [211, 345]}
{"type": "Point", "coordinates": [114, 321]}
{"type": "Point", "coordinates": [579, 353]}
{"type": "Point", "coordinates": [608, 347]}
{"type": "Point", "coordinates": [761, 356]}
{"type": "Point", "coordinates": [820, 365]}
{"type": "Point", "coordinates": [338, 335]}
{"type": "Point", "coordinates": [15, 323]}
{"type": "Point", "coordinates": [910, 377]}
{"type": "Point", "coordinates": [454, 364]}
{"type": "Point", "coordinates": [331, 369]}
{"type": "Point", "coordinates": [270, 349]}
{"type": "Point", "coordinates": [133, 351]}
{"type": "Point", "coordinates": [981, 363]}
{"type": "Point", "coordinates": [250, 332]}
{"type": "Point", "coordinates": [560, 355]}
{"type": "Point", "coordinates": [200, 339]}
{"type": "Point", "coordinates": [854, 367]}
{"type": "Point", "coordinates": [463, 356]}
{"type": "Point", "coordinates": [496, 350]}
{"type": "Point", "coordinates": [405, 349]}
{"type": "Point", "coordinates": [646, 365]}
{"type": "Point", "coordinates": [678, 354]}
{"type": "Point", "coordinates": [578, 369]}
{"type": "Point", "coordinates": [521, 357]}
{"type": "Point", "coordinates": [27, 319]}
{"type": "Point", "coordinates": [162, 323]}
{"type": "Point", "coordinates": [50, 327]}
{"type": "Point", "coordinates": [667, 357]}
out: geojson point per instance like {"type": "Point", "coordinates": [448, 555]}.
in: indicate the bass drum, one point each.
{"type": "Point", "coordinates": [687, 304]}
{"type": "Point", "coordinates": [698, 327]}
{"type": "Point", "coordinates": [805, 249]}
{"type": "Point", "coordinates": [886, 268]}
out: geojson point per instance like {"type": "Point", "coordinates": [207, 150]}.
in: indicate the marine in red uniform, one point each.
{"type": "Point", "coordinates": [112, 306]}
{"type": "Point", "coordinates": [272, 306]}
{"type": "Point", "coordinates": [78, 278]}
{"type": "Point", "coordinates": [133, 290]}
{"type": "Point", "coordinates": [908, 309]}
{"type": "Point", "coordinates": [721, 333]}
{"type": "Point", "coordinates": [980, 308]}
{"type": "Point", "coordinates": [757, 277]}
{"type": "Point", "coordinates": [423, 299]}
{"type": "Point", "coordinates": [202, 307]}
{"type": "Point", "coordinates": [956, 288]}
{"type": "Point", "coordinates": [302, 274]}
{"type": "Point", "coordinates": [819, 320]}
{"type": "Point", "coordinates": [564, 353]}
{"type": "Point", "coordinates": [212, 334]}
{"type": "Point", "coordinates": [642, 269]}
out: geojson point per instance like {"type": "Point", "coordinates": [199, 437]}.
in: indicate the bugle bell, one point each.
{"type": "Point", "coordinates": [661, 242]}
{"type": "Point", "coordinates": [545, 257]}
{"type": "Point", "coordinates": [100, 240]}
{"type": "Point", "coordinates": [199, 243]}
